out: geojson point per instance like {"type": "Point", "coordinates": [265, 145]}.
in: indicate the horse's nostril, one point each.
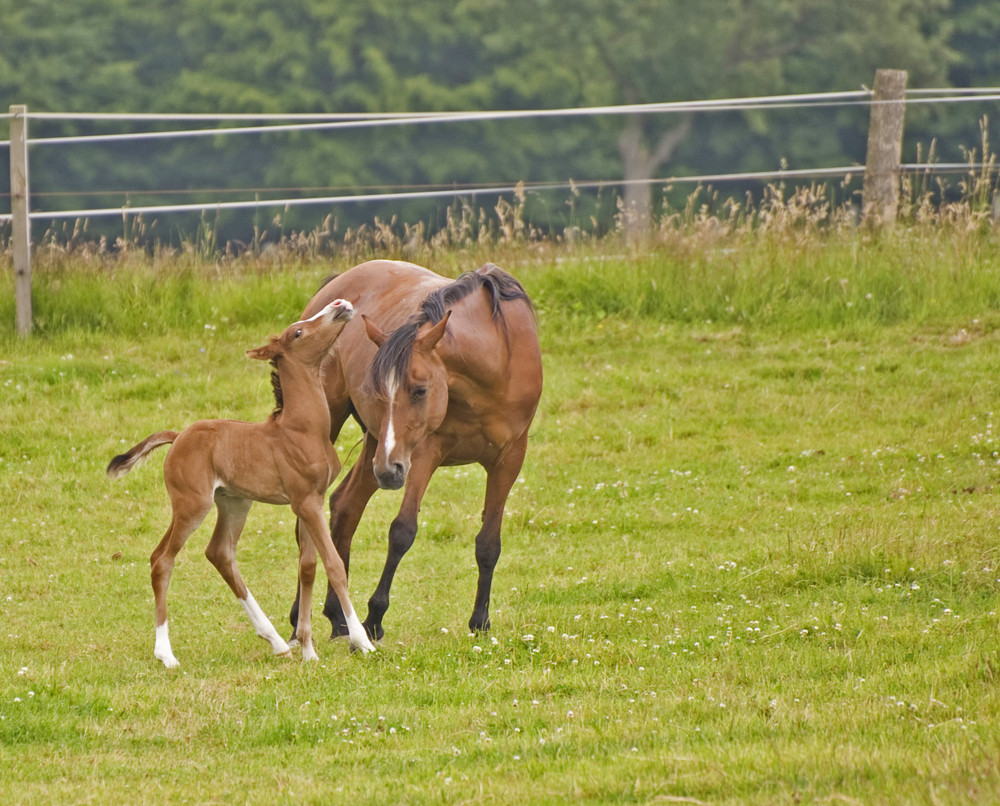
{"type": "Point", "coordinates": [391, 476]}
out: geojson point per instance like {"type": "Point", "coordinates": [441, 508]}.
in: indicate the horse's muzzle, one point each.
{"type": "Point", "coordinates": [391, 476]}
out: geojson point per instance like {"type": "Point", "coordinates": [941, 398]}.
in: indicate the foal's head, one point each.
{"type": "Point", "coordinates": [412, 383]}
{"type": "Point", "coordinates": [308, 341]}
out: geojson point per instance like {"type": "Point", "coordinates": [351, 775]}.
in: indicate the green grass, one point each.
{"type": "Point", "coordinates": [752, 556]}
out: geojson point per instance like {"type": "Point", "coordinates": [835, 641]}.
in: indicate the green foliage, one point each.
{"type": "Point", "coordinates": [339, 56]}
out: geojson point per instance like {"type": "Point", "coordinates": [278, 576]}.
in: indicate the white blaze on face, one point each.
{"type": "Point", "coordinates": [389, 444]}
{"type": "Point", "coordinates": [337, 303]}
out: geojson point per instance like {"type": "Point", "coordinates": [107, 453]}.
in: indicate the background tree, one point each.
{"type": "Point", "coordinates": [644, 51]}
{"type": "Point", "coordinates": [329, 56]}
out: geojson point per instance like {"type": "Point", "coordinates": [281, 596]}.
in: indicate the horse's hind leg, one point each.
{"type": "Point", "coordinates": [221, 552]}
{"type": "Point", "coordinates": [499, 480]}
{"type": "Point", "coordinates": [187, 515]}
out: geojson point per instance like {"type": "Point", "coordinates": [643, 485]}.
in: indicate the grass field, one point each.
{"type": "Point", "coordinates": [752, 556]}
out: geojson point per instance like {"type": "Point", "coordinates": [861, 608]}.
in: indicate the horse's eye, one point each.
{"type": "Point", "coordinates": [418, 394]}
{"type": "Point", "coordinates": [298, 333]}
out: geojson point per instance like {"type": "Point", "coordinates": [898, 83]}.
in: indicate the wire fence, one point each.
{"type": "Point", "coordinates": [286, 123]}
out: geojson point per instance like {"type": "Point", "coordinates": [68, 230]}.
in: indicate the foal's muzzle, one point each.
{"type": "Point", "coordinates": [341, 309]}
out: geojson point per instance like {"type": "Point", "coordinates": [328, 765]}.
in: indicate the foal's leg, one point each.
{"type": "Point", "coordinates": [188, 513]}
{"type": "Point", "coordinates": [499, 480]}
{"type": "Point", "coordinates": [347, 505]}
{"type": "Point", "coordinates": [307, 576]}
{"type": "Point", "coordinates": [221, 552]}
{"type": "Point", "coordinates": [310, 513]}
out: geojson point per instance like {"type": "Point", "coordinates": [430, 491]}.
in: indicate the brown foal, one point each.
{"type": "Point", "coordinates": [288, 459]}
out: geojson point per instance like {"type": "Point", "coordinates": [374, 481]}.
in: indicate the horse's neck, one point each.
{"type": "Point", "coordinates": [304, 406]}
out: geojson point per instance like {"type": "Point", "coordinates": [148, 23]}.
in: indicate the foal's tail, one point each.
{"type": "Point", "coordinates": [124, 462]}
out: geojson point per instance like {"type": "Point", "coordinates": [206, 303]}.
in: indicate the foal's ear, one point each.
{"type": "Point", "coordinates": [267, 352]}
{"type": "Point", "coordinates": [429, 340]}
{"type": "Point", "coordinates": [375, 333]}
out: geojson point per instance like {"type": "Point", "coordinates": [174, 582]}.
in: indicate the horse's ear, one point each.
{"type": "Point", "coordinates": [375, 333]}
{"type": "Point", "coordinates": [428, 341]}
{"type": "Point", "coordinates": [265, 353]}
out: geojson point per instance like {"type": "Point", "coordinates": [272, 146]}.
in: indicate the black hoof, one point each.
{"type": "Point", "coordinates": [375, 631]}
{"type": "Point", "coordinates": [479, 626]}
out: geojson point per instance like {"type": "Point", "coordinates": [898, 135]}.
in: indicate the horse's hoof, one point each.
{"type": "Point", "coordinates": [363, 648]}
{"type": "Point", "coordinates": [287, 655]}
{"type": "Point", "coordinates": [373, 631]}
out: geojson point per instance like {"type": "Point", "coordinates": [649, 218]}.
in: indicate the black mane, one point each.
{"type": "Point", "coordinates": [393, 356]}
{"type": "Point", "coordinates": [279, 401]}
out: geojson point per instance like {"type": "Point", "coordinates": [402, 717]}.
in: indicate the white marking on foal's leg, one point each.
{"type": "Point", "coordinates": [162, 650]}
{"type": "Point", "coordinates": [263, 626]}
{"type": "Point", "coordinates": [356, 633]}
{"type": "Point", "coordinates": [309, 651]}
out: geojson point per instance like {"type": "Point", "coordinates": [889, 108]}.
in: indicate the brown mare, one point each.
{"type": "Point", "coordinates": [439, 372]}
{"type": "Point", "coordinates": [286, 460]}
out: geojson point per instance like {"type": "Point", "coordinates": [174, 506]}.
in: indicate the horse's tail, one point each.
{"type": "Point", "coordinates": [124, 462]}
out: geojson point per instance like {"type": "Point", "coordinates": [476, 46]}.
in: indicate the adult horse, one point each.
{"type": "Point", "coordinates": [438, 372]}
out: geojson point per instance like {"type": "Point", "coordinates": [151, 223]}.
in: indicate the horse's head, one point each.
{"type": "Point", "coordinates": [412, 387]}
{"type": "Point", "coordinates": [308, 340]}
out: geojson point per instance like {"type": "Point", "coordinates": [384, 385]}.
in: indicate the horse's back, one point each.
{"type": "Point", "coordinates": [378, 287]}
{"type": "Point", "coordinates": [498, 356]}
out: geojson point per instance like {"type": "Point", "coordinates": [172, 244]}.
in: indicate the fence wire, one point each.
{"type": "Point", "coordinates": [330, 122]}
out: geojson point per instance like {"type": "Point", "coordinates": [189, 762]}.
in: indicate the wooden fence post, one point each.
{"type": "Point", "coordinates": [880, 192]}
{"type": "Point", "coordinates": [21, 236]}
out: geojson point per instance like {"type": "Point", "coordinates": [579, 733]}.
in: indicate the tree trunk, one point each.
{"type": "Point", "coordinates": [640, 163]}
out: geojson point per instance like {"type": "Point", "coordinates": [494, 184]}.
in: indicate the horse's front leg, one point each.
{"type": "Point", "coordinates": [310, 513]}
{"type": "Point", "coordinates": [347, 505]}
{"type": "Point", "coordinates": [402, 533]}
{"type": "Point", "coordinates": [307, 576]}
{"type": "Point", "coordinates": [500, 478]}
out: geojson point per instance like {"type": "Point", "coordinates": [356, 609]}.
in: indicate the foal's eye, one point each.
{"type": "Point", "coordinates": [298, 333]}
{"type": "Point", "coordinates": [418, 394]}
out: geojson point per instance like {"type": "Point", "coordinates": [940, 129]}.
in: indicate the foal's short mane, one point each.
{"type": "Point", "coordinates": [393, 356]}
{"type": "Point", "coordinates": [279, 401]}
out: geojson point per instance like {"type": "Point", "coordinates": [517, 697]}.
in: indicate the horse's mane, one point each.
{"type": "Point", "coordinates": [393, 356]}
{"type": "Point", "coordinates": [326, 282]}
{"type": "Point", "coordinates": [279, 401]}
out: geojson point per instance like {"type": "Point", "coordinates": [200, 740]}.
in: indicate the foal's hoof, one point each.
{"type": "Point", "coordinates": [286, 655]}
{"type": "Point", "coordinates": [364, 646]}
{"type": "Point", "coordinates": [168, 660]}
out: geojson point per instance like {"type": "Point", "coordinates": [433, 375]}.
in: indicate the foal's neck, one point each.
{"type": "Point", "coordinates": [304, 406]}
